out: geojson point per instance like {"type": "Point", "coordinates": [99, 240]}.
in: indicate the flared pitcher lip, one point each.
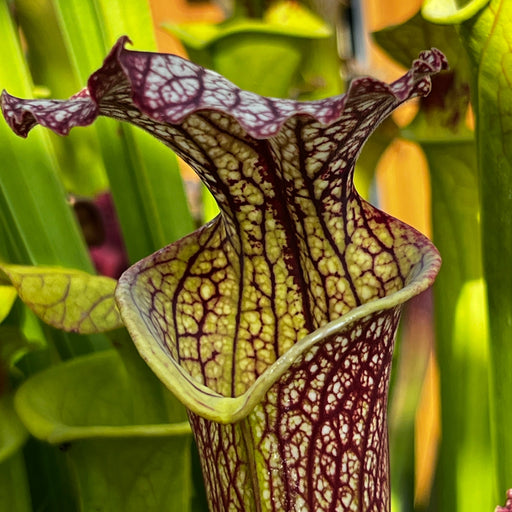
{"type": "Point", "coordinates": [205, 402]}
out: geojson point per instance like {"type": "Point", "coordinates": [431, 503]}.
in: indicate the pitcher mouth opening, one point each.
{"type": "Point", "coordinates": [211, 405]}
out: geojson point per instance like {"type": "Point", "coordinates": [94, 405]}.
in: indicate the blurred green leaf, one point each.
{"type": "Point", "coordinates": [81, 171]}
{"type": "Point", "coordinates": [37, 225]}
{"type": "Point", "coordinates": [133, 474]}
{"type": "Point", "coordinates": [123, 443]}
{"type": "Point", "coordinates": [156, 402]}
{"type": "Point", "coordinates": [51, 485]}
{"type": "Point", "coordinates": [281, 18]}
{"type": "Point", "coordinates": [14, 491]}
{"type": "Point", "coordinates": [451, 11]}
{"type": "Point", "coordinates": [405, 41]}
{"type": "Point", "coordinates": [461, 331]}
{"type": "Point", "coordinates": [260, 55]}
{"type": "Point", "coordinates": [119, 18]}
{"type": "Point", "coordinates": [56, 406]}
{"type": "Point", "coordinates": [7, 297]}
{"type": "Point", "coordinates": [370, 155]}
{"type": "Point", "coordinates": [14, 495]}
{"type": "Point", "coordinates": [13, 347]}
{"type": "Point", "coordinates": [271, 76]}
{"type": "Point", "coordinates": [475, 469]}
{"type": "Point", "coordinates": [70, 300]}
{"type": "Point", "coordinates": [487, 38]}
{"type": "Point", "coordinates": [12, 432]}
{"type": "Point", "coordinates": [460, 306]}
{"type": "Point", "coordinates": [29, 187]}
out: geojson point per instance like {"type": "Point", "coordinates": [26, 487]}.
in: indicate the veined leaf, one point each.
{"type": "Point", "coordinates": [70, 300]}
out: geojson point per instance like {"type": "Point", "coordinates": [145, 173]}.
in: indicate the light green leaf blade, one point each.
{"type": "Point", "coordinates": [70, 300]}
{"type": "Point", "coordinates": [7, 297]}
{"type": "Point", "coordinates": [460, 305]}
{"type": "Point", "coordinates": [119, 18]}
{"type": "Point", "coordinates": [79, 21]}
{"type": "Point", "coordinates": [451, 11]}
{"type": "Point", "coordinates": [99, 24]}
{"type": "Point", "coordinates": [56, 407]}
{"type": "Point", "coordinates": [488, 38]}
{"type": "Point", "coordinates": [461, 331]}
{"type": "Point", "coordinates": [161, 208]}
{"type": "Point", "coordinates": [128, 450]}
{"type": "Point", "coordinates": [475, 471]}
{"type": "Point", "coordinates": [37, 225]}
{"type": "Point", "coordinates": [156, 404]}
{"type": "Point", "coordinates": [272, 76]}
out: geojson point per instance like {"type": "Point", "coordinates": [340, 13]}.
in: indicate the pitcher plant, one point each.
{"type": "Point", "coordinates": [274, 323]}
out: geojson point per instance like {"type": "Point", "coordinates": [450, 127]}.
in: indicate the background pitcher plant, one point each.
{"type": "Point", "coordinates": [274, 323]}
